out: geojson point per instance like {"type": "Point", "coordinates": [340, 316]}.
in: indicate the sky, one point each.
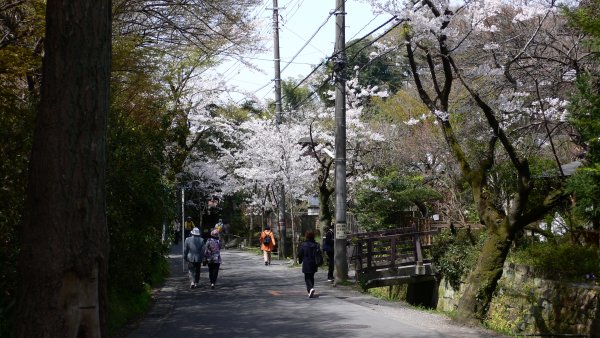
{"type": "Point", "coordinates": [299, 20]}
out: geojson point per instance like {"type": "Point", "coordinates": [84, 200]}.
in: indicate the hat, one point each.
{"type": "Point", "coordinates": [267, 228]}
{"type": "Point", "coordinates": [189, 217]}
{"type": "Point", "coordinates": [196, 232]}
{"type": "Point", "coordinates": [214, 233]}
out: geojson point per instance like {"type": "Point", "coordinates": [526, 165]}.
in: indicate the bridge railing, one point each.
{"type": "Point", "coordinates": [392, 254]}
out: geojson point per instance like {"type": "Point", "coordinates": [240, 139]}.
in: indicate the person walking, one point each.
{"type": "Point", "coordinates": [329, 248]}
{"type": "Point", "coordinates": [189, 225]}
{"type": "Point", "coordinates": [176, 225]}
{"type": "Point", "coordinates": [212, 255]}
{"type": "Point", "coordinates": [193, 254]}
{"type": "Point", "coordinates": [267, 243]}
{"type": "Point", "coordinates": [307, 256]}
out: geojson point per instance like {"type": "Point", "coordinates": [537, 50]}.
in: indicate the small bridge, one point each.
{"type": "Point", "coordinates": [394, 256]}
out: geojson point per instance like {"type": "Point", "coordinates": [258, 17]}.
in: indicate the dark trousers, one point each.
{"type": "Point", "coordinates": [330, 264]}
{"type": "Point", "coordinates": [213, 272]}
{"type": "Point", "coordinates": [194, 269]}
{"type": "Point", "coordinates": [309, 279]}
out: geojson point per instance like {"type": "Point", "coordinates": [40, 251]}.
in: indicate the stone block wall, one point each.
{"type": "Point", "coordinates": [525, 304]}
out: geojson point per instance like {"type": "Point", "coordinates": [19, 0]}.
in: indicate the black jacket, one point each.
{"type": "Point", "coordinates": [328, 242]}
{"type": "Point", "coordinates": [306, 256]}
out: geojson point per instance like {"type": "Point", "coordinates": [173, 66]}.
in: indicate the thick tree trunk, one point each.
{"type": "Point", "coordinates": [482, 281]}
{"type": "Point", "coordinates": [64, 252]}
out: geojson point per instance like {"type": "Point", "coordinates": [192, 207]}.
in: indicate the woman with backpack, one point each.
{"type": "Point", "coordinates": [310, 256]}
{"type": "Point", "coordinates": [267, 243]}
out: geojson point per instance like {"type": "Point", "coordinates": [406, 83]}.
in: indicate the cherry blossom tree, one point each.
{"type": "Point", "coordinates": [362, 140]}
{"type": "Point", "coordinates": [496, 77]}
{"type": "Point", "coordinates": [271, 155]}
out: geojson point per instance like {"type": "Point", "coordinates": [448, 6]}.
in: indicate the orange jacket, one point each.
{"type": "Point", "coordinates": [271, 245]}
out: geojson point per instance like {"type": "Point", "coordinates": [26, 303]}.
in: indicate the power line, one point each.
{"type": "Point", "coordinates": [335, 54]}
{"type": "Point", "coordinates": [307, 42]}
{"type": "Point", "coordinates": [365, 26]}
{"type": "Point", "coordinates": [309, 39]}
{"type": "Point", "coordinates": [345, 49]}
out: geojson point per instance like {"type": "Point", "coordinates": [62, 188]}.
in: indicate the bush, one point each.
{"type": "Point", "coordinates": [559, 261]}
{"type": "Point", "coordinates": [455, 255]}
{"type": "Point", "coordinates": [124, 305]}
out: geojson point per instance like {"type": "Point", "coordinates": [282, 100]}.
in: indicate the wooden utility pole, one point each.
{"type": "Point", "coordinates": [339, 63]}
{"type": "Point", "coordinates": [182, 227]}
{"type": "Point", "coordinates": [277, 63]}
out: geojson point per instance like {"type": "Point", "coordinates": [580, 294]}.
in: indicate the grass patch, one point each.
{"type": "Point", "coordinates": [391, 293]}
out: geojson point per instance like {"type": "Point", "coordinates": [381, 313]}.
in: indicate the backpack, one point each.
{"type": "Point", "coordinates": [318, 256]}
{"type": "Point", "coordinates": [267, 239]}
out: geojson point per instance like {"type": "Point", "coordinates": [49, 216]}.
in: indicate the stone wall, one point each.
{"type": "Point", "coordinates": [527, 305]}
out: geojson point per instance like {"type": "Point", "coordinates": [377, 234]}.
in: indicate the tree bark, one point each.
{"type": "Point", "coordinates": [482, 281]}
{"type": "Point", "coordinates": [64, 248]}
{"type": "Point", "coordinates": [502, 226]}
{"type": "Point", "coordinates": [325, 214]}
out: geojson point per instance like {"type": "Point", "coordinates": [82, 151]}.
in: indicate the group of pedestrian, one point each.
{"type": "Point", "coordinates": [309, 255]}
{"type": "Point", "coordinates": [198, 252]}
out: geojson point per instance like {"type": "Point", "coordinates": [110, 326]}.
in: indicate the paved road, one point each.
{"type": "Point", "coordinates": [253, 300]}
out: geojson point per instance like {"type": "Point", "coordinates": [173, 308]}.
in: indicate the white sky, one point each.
{"type": "Point", "coordinates": [299, 20]}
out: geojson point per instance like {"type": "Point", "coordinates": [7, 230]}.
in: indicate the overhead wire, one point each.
{"type": "Point", "coordinates": [331, 13]}
{"type": "Point", "coordinates": [299, 104]}
{"type": "Point", "coordinates": [309, 40]}
{"type": "Point", "coordinates": [327, 59]}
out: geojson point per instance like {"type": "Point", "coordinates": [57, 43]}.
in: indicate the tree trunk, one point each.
{"type": "Point", "coordinates": [325, 214]}
{"type": "Point", "coordinates": [64, 248]}
{"type": "Point", "coordinates": [482, 281]}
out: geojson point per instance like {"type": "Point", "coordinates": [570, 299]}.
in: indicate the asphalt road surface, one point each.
{"type": "Point", "coordinates": [254, 300]}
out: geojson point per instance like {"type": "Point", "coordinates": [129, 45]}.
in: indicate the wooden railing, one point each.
{"type": "Point", "coordinates": [392, 255]}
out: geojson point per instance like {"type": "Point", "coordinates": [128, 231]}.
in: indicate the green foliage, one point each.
{"type": "Point", "coordinates": [585, 116]}
{"type": "Point", "coordinates": [585, 17]}
{"type": "Point", "coordinates": [22, 29]}
{"type": "Point", "coordinates": [123, 305]}
{"type": "Point", "coordinates": [381, 201]}
{"type": "Point", "coordinates": [379, 71]}
{"type": "Point", "coordinates": [454, 256]}
{"type": "Point", "coordinates": [559, 260]}
{"type": "Point", "coordinates": [585, 184]}
{"type": "Point", "coordinates": [586, 189]}
{"type": "Point", "coordinates": [292, 95]}
{"type": "Point", "coordinates": [385, 71]}
{"type": "Point", "coordinates": [137, 200]}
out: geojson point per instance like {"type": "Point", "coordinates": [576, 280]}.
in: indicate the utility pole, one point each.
{"type": "Point", "coordinates": [182, 228]}
{"type": "Point", "coordinates": [277, 62]}
{"type": "Point", "coordinates": [339, 63]}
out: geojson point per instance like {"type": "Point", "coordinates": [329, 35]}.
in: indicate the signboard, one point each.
{"type": "Point", "coordinates": [340, 231]}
